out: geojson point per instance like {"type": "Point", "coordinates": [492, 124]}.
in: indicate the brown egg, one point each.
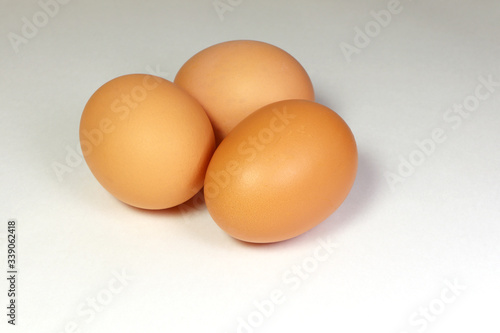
{"type": "Point", "coordinates": [235, 78]}
{"type": "Point", "coordinates": [281, 171]}
{"type": "Point", "coordinates": [146, 141]}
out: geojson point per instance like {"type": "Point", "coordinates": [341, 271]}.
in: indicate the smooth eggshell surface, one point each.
{"type": "Point", "coordinates": [281, 171]}
{"type": "Point", "coordinates": [235, 78]}
{"type": "Point", "coordinates": [146, 141]}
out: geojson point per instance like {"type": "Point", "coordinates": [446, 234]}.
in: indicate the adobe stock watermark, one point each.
{"type": "Point", "coordinates": [88, 310]}
{"type": "Point", "coordinates": [249, 149]}
{"type": "Point", "coordinates": [420, 320]}
{"type": "Point", "coordinates": [224, 6]}
{"type": "Point", "coordinates": [31, 27]}
{"type": "Point", "coordinates": [363, 37]}
{"type": "Point", "coordinates": [291, 279]}
{"type": "Point", "coordinates": [453, 117]}
{"type": "Point", "coordinates": [121, 106]}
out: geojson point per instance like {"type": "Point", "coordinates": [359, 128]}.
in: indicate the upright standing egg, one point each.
{"type": "Point", "coordinates": [235, 78]}
{"type": "Point", "coordinates": [281, 171]}
{"type": "Point", "coordinates": [146, 141]}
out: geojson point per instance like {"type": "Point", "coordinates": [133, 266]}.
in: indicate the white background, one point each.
{"type": "Point", "coordinates": [397, 249]}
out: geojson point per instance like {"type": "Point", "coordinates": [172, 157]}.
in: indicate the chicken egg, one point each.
{"type": "Point", "coordinates": [281, 171]}
{"type": "Point", "coordinates": [146, 141]}
{"type": "Point", "coordinates": [232, 79]}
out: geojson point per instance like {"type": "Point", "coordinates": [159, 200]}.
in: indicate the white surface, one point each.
{"type": "Point", "coordinates": [395, 249]}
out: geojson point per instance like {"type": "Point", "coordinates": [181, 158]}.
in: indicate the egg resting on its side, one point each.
{"type": "Point", "coordinates": [146, 141]}
{"type": "Point", "coordinates": [281, 171]}
{"type": "Point", "coordinates": [232, 79]}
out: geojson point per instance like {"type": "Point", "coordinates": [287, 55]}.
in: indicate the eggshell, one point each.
{"type": "Point", "coordinates": [281, 171]}
{"type": "Point", "coordinates": [146, 141]}
{"type": "Point", "coordinates": [235, 78]}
